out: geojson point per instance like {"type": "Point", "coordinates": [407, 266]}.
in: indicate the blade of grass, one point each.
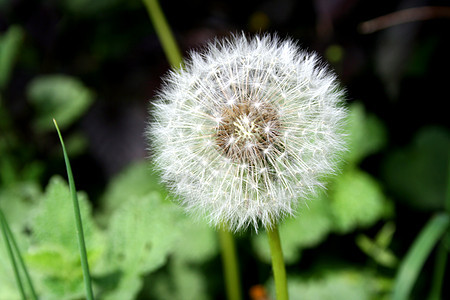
{"type": "Point", "coordinates": [19, 256]}
{"type": "Point", "coordinates": [11, 255]}
{"type": "Point", "coordinates": [417, 255]}
{"type": "Point", "coordinates": [78, 222]}
{"type": "Point", "coordinates": [439, 272]}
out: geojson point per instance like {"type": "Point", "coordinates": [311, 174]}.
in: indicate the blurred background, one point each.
{"type": "Point", "coordinates": [95, 66]}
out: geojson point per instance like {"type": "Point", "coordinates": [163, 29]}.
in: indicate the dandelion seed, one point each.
{"type": "Point", "coordinates": [258, 123]}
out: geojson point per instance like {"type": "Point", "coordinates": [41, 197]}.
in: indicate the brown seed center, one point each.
{"type": "Point", "coordinates": [247, 131]}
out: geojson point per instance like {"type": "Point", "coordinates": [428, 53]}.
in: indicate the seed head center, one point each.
{"type": "Point", "coordinates": [247, 131]}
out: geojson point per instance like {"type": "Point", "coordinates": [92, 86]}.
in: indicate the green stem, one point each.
{"type": "Point", "coordinates": [230, 265]}
{"type": "Point", "coordinates": [19, 257]}
{"type": "Point", "coordinates": [164, 33]}
{"type": "Point", "coordinates": [439, 272]}
{"type": "Point", "coordinates": [11, 255]}
{"type": "Point", "coordinates": [279, 270]}
{"type": "Point", "coordinates": [78, 222]}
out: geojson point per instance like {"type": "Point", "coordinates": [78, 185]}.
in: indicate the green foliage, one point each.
{"type": "Point", "coordinates": [143, 229]}
{"type": "Point", "coordinates": [418, 174]}
{"type": "Point", "coordinates": [348, 284]}
{"type": "Point", "coordinates": [367, 134]}
{"type": "Point", "coordinates": [136, 180]}
{"type": "Point", "coordinates": [10, 42]}
{"type": "Point", "coordinates": [309, 228]}
{"type": "Point", "coordinates": [356, 201]}
{"type": "Point", "coordinates": [415, 259]}
{"type": "Point", "coordinates": [377, 249]}
{"type": "Point", "coordinates": [61, 97]}
{"type": "Point", "coordinates": [55, 254]}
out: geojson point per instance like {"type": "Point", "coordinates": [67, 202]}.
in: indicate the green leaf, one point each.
{"type": "Point", "coordinates": [418, 174]}
{"type": "Point", "coordinates": [377, 248]}
{"type": "Point", "coordinates": [307, 229]}
{"type": "Point", "coordinates": [197, 242]}
{"type": "Point", "coordinates": [142, 233]}
{"type": "Point", "coordinates": [20, 202]}
{"type": "Point", "coordinates": [339, 284]}
{"type": "Point", "coordinates": [10, 43]}
{"type": "Point", "coordinates": [367, 135]}
{"type": "Point", "coordinates": [136, 180]}
{"type": "Point", "coordinates": [62, 97]}
{"type": "Point", "coordinates": [356, 201]}
{"type": "Point", "coordinates": [55, 237]}
{"type": "Point", "coordinates": [417, 255]}
{"type": "Point", "coordinates": [182, 282]}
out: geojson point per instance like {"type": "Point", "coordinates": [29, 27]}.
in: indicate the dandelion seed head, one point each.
{"type": "Point", "coordinates": [247, 129]}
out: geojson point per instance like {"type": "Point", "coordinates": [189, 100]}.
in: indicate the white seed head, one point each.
{"type": "Point", "coordinates": [247, 129]}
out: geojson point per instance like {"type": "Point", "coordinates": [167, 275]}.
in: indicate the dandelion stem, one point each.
{"type": "Point", "coordinates": [78, 222]}
{"type": "Point", "coordinates": [230, 265]}
{"type": "Point", "coordinates": [164, 33]}
{"type": "Point", "coordinates": [11, 255]}
{"type": "Point", "coordinates": [279, 270]}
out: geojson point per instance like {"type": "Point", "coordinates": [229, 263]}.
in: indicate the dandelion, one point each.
{"type": "Point", "coordinates": [247, 130]}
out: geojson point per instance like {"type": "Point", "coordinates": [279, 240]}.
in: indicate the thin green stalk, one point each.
{"type": "Point", "coordinates": [11, 255]}
{"type": "Point", "coordinates": [78, 222]}
{"type": "Point", "coordinates": [279, 270]}
{"type": "Point", "coordinates": [230, 265]}
{"type": "Point", "coordinates": [417, 255]}
{"type": "Point", "coordinates": [164, 33]}
{"type": "Point", "coordinates": [19, 257]}
{"type": "Point", "coordinates": [439, 272]}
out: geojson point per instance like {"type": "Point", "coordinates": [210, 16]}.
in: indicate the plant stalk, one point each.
{"type": "Point", "coordinates": [278, 267]}
{"type": "Point", "coordinates": [164, 33]}
{"type": "Point", "coordinates": [230, 265]}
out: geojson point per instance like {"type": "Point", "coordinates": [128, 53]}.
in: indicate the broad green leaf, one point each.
{"type": "Point", "coordinates": [55, 254]}
{"type": "Point", "coordinates": [356, 200]}
{"type": "Point", "coordinates": [367, 134]}
{"type": "Point", "coordinates": [137, 180]}
{"type": "Point", "coordinates": [335, 285]}
{"type": "Point", "coordinates": [142, 233]}
{"type": "Point", "coordinates": [127, 288]}
{"type": "Point", "coordinates": [182, 282]}
{"type": "Point", "coordinates": [10, 42]}
{"type": "Point", "coordinates": [62, 97]}
{"type": "Point", "coordinates": [18, 202]}
{"type": "Point", "coordinates": [197, 243]}
{"type": "Point", "coordinates": [307, 229]}
{"type": "Point", "coordinates": [418, 174]}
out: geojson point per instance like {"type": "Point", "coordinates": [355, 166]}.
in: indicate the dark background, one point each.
{"type": "Point", "coordinates": [400, 73]}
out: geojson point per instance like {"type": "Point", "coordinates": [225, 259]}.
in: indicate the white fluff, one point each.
{"type": "Point", "coordinates": [247, 129]}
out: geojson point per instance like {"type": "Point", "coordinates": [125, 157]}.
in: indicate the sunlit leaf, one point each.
{"type": "Point", "coordinates": [356, 200]}
{"type": "Point", "coordinates": [335, 285]}
{"type": "Point", "coordinates": [55, 253]}
{"type": "Point", "coordinates": [62, 97]}
{"type": "Point", "coordinates": [367, 135]}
